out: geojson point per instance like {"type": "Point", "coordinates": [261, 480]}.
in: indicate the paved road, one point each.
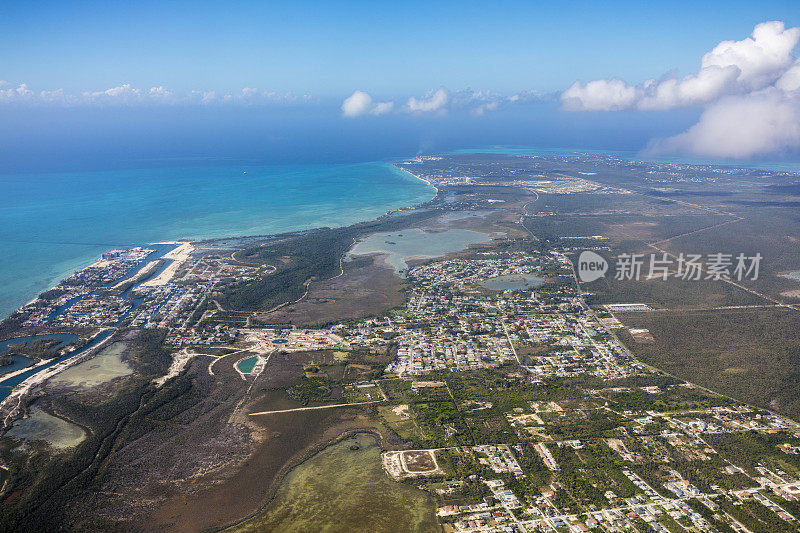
{"type": "Point", "coordinates": [312, 408]}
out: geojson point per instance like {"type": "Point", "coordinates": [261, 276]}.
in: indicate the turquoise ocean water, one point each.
{"type": "Point", "coordinates": [54, 224]}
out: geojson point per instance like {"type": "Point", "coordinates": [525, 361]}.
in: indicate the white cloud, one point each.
{"type": "Point", "coordinates": [525, 97]}
{"type": "Point", "coordinates": [695, 89]}
{"type": "Point", "coordinates": [122, 94]}
{"type": "Point", "coordinates": [478, 103]}
{"type": "Point", "coordinates": [731, 67]}
{"type": "Point", "coordinates": [438, 102]}
{"type": "Point", "coordinates": [790, 80]}
{"type": "Point", "coordinates": [20, 93]}
{"type": "Point", "coordinates": [249, 92]}
{"type": "Point", "coordinates": [743, 126]}
{"type": "Point", "coordinates": [57, 96]}
{"type": "Point", "coordinates": [761, 58]}
{"type": "Point", "coordinates": [360, 103]}
{"type": "Point", "coordinates": [381, 108]}
{"type": "Point", "coordinates": [751, 90]}
{"type": "Point", "coordinates": [23, 91]}
{"type": "Point", "coordinates": [127, 94]}
{"type": "Point", "coordinates": [206, 97]}
{"type": "Point", "coordinates": [481, 109]}
{"type": "Point", "coordinates": [600, 95]}
{"type": "Point", "coordinates": [433, 101]}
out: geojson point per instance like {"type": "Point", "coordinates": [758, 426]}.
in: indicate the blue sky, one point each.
{"type": "Point", "coordinates": [101, 83]}
{"type": "Point", "coordinates": [389, 48]}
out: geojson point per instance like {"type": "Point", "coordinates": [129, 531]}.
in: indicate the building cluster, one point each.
{"type": "Point", "coordinates": [79, 300]}
{"type": "Point", "coordinates": [469, 313]}
{"type": "Point", "coordinates": [130, 288]}
{"type": "Point", "coordinates": [292, 339]}
{"type": "Point", "coordinates": [499, 458]}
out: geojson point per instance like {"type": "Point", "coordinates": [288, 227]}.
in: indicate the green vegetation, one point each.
{"type": "Point", "coordinates": [308, 256]}
{"type": "Point", "coordinates": [38, 349]}
{"type": "Point", "coordinates": [750, 354]}
{"type": "Point", "coordinates": [673, 398]}
{"type": "Point", "coordinates": [751, 449]}
{"type": "Point", "coordinates": [345, 489]}
{"type": "Point", "coordinates": [58, 481]}
{"type": "Point", "coordinates": [310, 390]}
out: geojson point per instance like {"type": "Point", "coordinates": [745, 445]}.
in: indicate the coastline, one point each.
{"type": "Point", "coordinates": [184, 501]}
{"type": "Point", "coordinates": [218, 225]}
{"type": "Point", "coordinates": [420, 178]}
{"type": "Point", "coordinates": [358, 214]}
{"type": "Point", "coordinates": [183, 248]}
{"type": "Point", "coordinates": [792, 167]}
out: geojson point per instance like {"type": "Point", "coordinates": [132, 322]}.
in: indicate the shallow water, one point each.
{"type": "Point", "coordinates": [247, 365]}
{"type": "Point", "coordinates": [101, 368]}
{"type": "Point", "coordinates": [7, 384]}
{"type": "Point", "coordinates": [344, 490]}
{"type": "Point", "coordinates": [417, 243]}
{"type": "Point", "coordinates": [65, 338]}
{"type": "Point", "coordinates": [20, 361]}
{"type": "Point", "coordinates": [40, 425]}
{"type": "Point", "coordinates": [54, 224]}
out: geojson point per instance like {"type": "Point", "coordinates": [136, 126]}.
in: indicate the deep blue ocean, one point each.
{"type": "Point", "coordinates": [56, 223]}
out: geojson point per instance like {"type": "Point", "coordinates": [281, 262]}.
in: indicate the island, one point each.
{"type": "Point", "coordinates": [444, 367]}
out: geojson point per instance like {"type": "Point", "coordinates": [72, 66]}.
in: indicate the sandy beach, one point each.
{"type": "Point", "coordinates": [178, 256]}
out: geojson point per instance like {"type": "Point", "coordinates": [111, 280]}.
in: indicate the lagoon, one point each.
{"type": "Point", "coordinates": [101, 368]}
{"type": "Point", "coordinates": [40, 425]}
{"type": "Point", "coordinates": [343, 490]}
{"type": "Point", "coordinates": [7, 384]}
{"type": "Point", "coordinates": [65, 339]}
{"type": "Point", "coordinates": [20, 361]}
{"type": "Point", "coordinates": [417, 244]}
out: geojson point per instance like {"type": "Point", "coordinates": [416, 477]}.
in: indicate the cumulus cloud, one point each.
{"type": "Point", "coordinates": [524, 97]}
{"type": "Point", "coordinates": [482, 109]}
{"type": "Point", "coordinates": [760, 58]}
{"type": "Point", "coordinates": [479, 103]}
{"type": "Point", "coordinates": [732, 67]}
{"type": "Point", "coordinates": [438, 103]}
{"type": "Point", "coordinates": [122, 94]}
{"type": "Point", "coordinates": [57, 96]}
{"type": "Point", "coordinates": [600, 95]}
{"type": "Point", "coordinates": [19, 93]}
{"type": "Point", "coordinates": [127, 94]}
{"type": "Point", "coordinates": [433, 101]}
{"type": "Point", "coordinates": [790, 80]}
{"type": "Point", "coordinates": [743, 126]}
{"type": "Point", "coordinates": [361, 103]}
{"type": "Point", "coordinates": [750, 90]}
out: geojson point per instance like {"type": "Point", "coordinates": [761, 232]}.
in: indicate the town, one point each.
{"type": "Point", "coordinates": [502, 389]}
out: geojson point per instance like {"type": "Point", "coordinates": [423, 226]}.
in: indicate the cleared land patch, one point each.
{"type": "Point", "coordinates": [411, 463]}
